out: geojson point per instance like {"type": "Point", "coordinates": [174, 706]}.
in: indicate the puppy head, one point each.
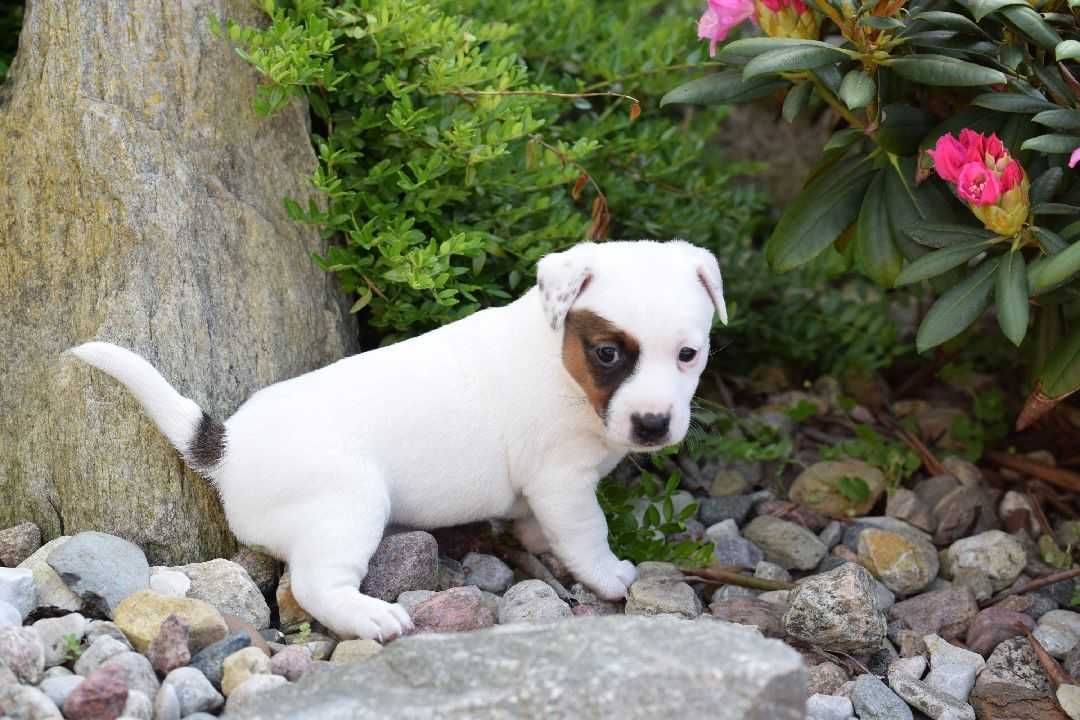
{"type": "Point", "coordinates": [635, 320]}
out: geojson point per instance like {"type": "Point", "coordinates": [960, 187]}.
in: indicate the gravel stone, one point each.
{"type": "Point", "coordinates": [765, 616]}
{"type": "Point", "coordinates": [101, 696]}
{"type": "Point", "coordinates": [23, 702]}
{"type": "Point", "coordinates": [993, 626]}
{"type": "Point", "coordinates": [999, 555]}
{"type": "Point", "coordinates": [97, 653]}
{"type": "Point", "coordinates": [166, 581]}
{"type": "Point", "coordinates": [837, 610]}
{"type": "Point", "coordinates": [290, 614]}
{"type": "Point", "coordinates": [58, 688]}
{"type": "Point", "coordinates": [828, 707]}
{"type": "Point", "coordinates": [101, 569]}
{"type": "Point", "coordinates": [138, 706]}
{"type": "Point", "coordinates": [54, 634]}
{"type": "Point", "coordinates": [251, 689]}
{"type": "Point", "coordinates": [825, 678]}
{"type": "Point", "coordinates": [348, 652]}
{"type": "Point", "coordinates": [18, 590]}
{"type": "Point", "coordinates": [926, 699]}
{"type": "Point", "coordinates": [532, 601]}
{"type": "Point", "coordinates": [945, 612]}
{"type": "Point", "coordinates": [169, 649]}
{"type": "Point", "coordinates": [263, 569]}
{"type": "Point", "coordinates": [458, 609]}
{"type": "Point", "coordinates": [873, 700]}
{"type": "Point", "coordinates": [167, 703]}
{"type": "Point", "coordinates": [1014, 662]}
{"type": "Point", "coordinates": [656, 596]}
{"type": "Point", "coordinates": [712, 510]}
{"type": "Point", "coordinates": [140, 617]}
{"type": "Point", "coordinates": [292, 662]}
{"type": "Point", "coordinates": [99, 628]}
{"type": "Point", "coordinates": [227, 587]}
{"type": "Point", "coordinates": [242, 665]}
{"type": "Point", "coordinates": [487, 572]}
{"type": "Point", "coordinates": [18, 543]}
{"type": "Point", "coordinates": [788, 545]}
{"type": "Point", "coordinates": [52, 593]}
{"type": "Point", "coordinates": [407, 561]}
{"type": "Point", "coordinates": [736, 552]}
{"type": "Point", "coordinates": [136, 670]}
{"type": "Point", "coordinates": [1059, 632]}
{"type": "Point", "coordinates": [210, 660]}
{"type": "Point", "coordinates": [21, 651]}
{"type": "Point", "coordinates": [903, 562]}
{"type": "Point", "coordinates": [193, 691]}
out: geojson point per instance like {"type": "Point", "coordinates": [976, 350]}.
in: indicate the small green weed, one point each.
{"type": "Point", "coordinates": [895, 460]}
{"type": "Point", "coordinates": [72, 647]}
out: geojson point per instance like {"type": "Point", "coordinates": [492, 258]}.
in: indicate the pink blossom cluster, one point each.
{"type": "Point", "coordinates": [980, 167]}
{"type": "Point", "coordinates": [1074, 158]}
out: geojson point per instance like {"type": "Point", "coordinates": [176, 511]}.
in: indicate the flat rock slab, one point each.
{"type": "Point", "coordinates": [601, 667]}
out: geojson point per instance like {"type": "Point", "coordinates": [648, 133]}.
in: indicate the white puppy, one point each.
{"type": "Point", "coordinates": [513, 412]}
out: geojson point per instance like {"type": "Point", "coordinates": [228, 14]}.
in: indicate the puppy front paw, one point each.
{"type": "Point", "coordinates": [611, 580]}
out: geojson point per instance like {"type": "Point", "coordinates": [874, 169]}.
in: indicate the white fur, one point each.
{"type": "Point", "coordinates": [475, 420]}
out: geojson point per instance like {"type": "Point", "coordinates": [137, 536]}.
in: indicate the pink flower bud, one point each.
{"type": "Point", "coordinates": [948, 156]}
{"type": "Point", "coordinates": [720, 17]}
{"type": "Point", "coordinates": [994, 148]}
{"type": "Point", "coordinates": [1074, 158]}
{"type": "Point", "coordinates": [973, 144]}
{"type": "Point", "coordinates": [1011, 176]}
{"type": "Point", "coordinates": [977, 185]}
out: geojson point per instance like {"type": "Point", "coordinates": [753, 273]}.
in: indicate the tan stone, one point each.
{"type": "Point", "coordinates": [240, 666]}
{"type": "Point", "coordinates": [140, 616]}
{"type": "Point", "coordinates": [818, 487]}
{"type": "Point", "coordinates": [290, 614]}
{"type": "Point", "coordinates": [903, 564]}
{"type": "Point", "coordinates": [348, 652]}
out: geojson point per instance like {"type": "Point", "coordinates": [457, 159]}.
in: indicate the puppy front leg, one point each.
{"type": "Point", "coordinates": [573, 522]}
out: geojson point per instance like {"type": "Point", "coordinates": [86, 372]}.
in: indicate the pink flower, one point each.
{"type": "Point", "coordinates": [949, 156]}
{"type": "Point", "coordinates": [977, 185]}
{"type": "Point", "coordinates": [1011, 176]}
{"type": "Point", "coordinates": [994, 148]}
{"type": "Point", "coordinates": [1074, 158]}
{"type": "Point", "coordinates": [720, 17]}
{"type": "Point", "coordinates": [973, 144]}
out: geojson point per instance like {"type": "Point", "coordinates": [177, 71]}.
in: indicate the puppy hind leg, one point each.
{"type": "Point", "coordinates": [328, 566]}
{"type": "Point", "coordinates": [529, 533]}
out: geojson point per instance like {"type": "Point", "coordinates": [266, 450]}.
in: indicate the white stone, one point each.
{"type": "Point", "coordinates": [17, 589]}
{"type": "Point", "coordinates": [169, 582]}
{"type": "Point", "coordinates": [828, 707]}
{"type": "Point", "coordinates": [52, 592]}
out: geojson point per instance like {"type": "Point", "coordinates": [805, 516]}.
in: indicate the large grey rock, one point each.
{"type": "Point", "coordinates": [601, 667]}
{"type": "Point", "coordinates": [788, 545]}
{"type": "Point", "coordinates": [837, 610]}
{"type": "Point", "coordinates": [141, 202]}
{"type": "Point", "coordinates": [101, 569]}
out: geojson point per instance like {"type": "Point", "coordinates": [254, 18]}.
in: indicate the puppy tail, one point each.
{"type": "Point", "coordinates": [199, 438]}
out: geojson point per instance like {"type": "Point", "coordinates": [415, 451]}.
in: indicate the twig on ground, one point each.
{"type": "Point", "coordinates": [722, 576]}
{"type": "Point", "coordinates": [1055, 476]}
{"type": "Point", "coordinates": [1053, 671]}
{"type": "Point", "coordinates": [932, 464]}
{"type": "Point", "coordinates": [1032, 585]}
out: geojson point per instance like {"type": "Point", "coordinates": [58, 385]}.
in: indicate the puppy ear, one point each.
{"type": "Point", "coordinates": [561, 278]}
{"type": "Point", "coordinates": [708, 274]}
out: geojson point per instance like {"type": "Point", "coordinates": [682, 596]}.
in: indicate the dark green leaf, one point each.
{"type": "Point", "coordinates": [950, 20]}
{"type": "Point", "coordinates": [821, 212]}
{"type": "Point", "coordinates": [1044, 186]}
{"type": "Point", "coordinates": [1050, 242]}
{"type": "Point", "coordinates": [902, 128]}
{"type": "Point", "coordinates": [1061, 374]}
{"type": "Point", "coordinates": [1062, 119]}
{"type": "Point", "coordinates": [842, 138]}
{"type": "Point", "coordinates": [1011, 297]}
{"type": "Point", "coordinates": [652, 517]}
{"type": "Point", "coordinates": [957, 309]}
{"type": "Point", "coordinates": [876, 256]}
{"type": "Point", "coordinates": [941, 261]}
{"type": "Point", "coordinates": [1012, 103]}
{"type": "Point", "coordinates": [910, 205]}
{"type": "Point", "coordinates": [722, 88]}
{"type": "Point", "coordinates": [1031, 24]}
{"type": "Point", "coordinates": [881, 23]}
{"type": "Point", "coordinates": [741, 51]}
{"type": "Point", "coordinates": [1055, 209]}
{"type": "Point", "coordinates": [944, 71]}
{"type": "Point", "coordinates": [854, 489]}
{"type": "Point", "coordinates": [939, 235]}
{"type": "Point", "coordinates": [802, 57]}
{"type": "Point", "coordinates": [1050, 271]}
{"type": "Point", "coordinates": [982, 8]}
{"type": "Point", "coordinates": [1052, 144]}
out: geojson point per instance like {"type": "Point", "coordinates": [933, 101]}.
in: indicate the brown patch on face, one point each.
{"type": "Point", "coordinates": [586, 345]}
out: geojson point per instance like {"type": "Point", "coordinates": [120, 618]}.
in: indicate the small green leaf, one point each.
{"type": "Point", "coordinates": [1012, 102]}
{"type": "Point", "coordinates": [1055, 209]}
{"type": "Point", "coordinates": [1061, 119]}
{"type": "Point", "coordinates": [796, 100]}
{"type": "Point", "coordinates": [857, 89]}
{"type": "Point", "coordinates": [1050, 242]}
{"type": "Point", "coordinates": [950, 20]}
{"type": "Point", "coordinates": [941, 261]}
{"type": "Point", "coordinates": [1052, 144]}
{"type": "Point", "coordinates": [722, 88]}
{"type": "Point", "coordinates": [957, 309]}
{"type": "Point", "coordinates": [1061, 374]}
{"type": "Point", "coordinates": [1011, 297]}
{"type": "Point", "coordinates": [842, 138]}
{"type": "Point", "coordinates": [944, 71]}
{"type": "Point", "coordinates": [854, 489]}
{"type": "Point", "coordinates": [1067, 50]}
{"type": "Point", "coordinates": [982, 8]}
{"type": "Point", "coordinates": [362, 301]}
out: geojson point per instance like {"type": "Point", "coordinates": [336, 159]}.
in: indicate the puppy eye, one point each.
{"type": "Point", "coordinates": [607, 355]}
{"type": "Point", "coordinates": [687, 354]}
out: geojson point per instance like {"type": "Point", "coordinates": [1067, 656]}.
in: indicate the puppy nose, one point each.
{"type": "Point", "coordinates": [650, 427]}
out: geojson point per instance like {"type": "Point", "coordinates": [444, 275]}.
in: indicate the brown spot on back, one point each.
{"type": "Point", "coordinates": [585, 331]}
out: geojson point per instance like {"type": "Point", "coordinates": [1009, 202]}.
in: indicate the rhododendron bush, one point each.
{"type": "Point", "coordinates": [957, 131]}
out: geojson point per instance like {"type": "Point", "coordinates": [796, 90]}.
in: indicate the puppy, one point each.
{"type": "Point", "coordinates": [514, 412]}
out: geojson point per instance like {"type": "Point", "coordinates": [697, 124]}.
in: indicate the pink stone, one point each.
{"type": "Point", "coordinates": [101, 696]}
{"type": "Point", "coordinates": [454, 610]}
{"type": "Point", "coordinates": [169, 650]}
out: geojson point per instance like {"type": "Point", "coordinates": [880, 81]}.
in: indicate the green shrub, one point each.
{"type": "Point", "coordinates": [449, 167]}
{"type": "Point", "coordinates": [11, 17]}
{"type": "Point", "coordinates": [988, 222]}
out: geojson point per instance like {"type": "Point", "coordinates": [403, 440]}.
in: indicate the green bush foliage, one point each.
{"type": "Point", "coordinates": [987, 223]}
{"type": "Point", "coordinates": [11, 16]}
{"type": "Point", "coordinates": [449, 166]}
